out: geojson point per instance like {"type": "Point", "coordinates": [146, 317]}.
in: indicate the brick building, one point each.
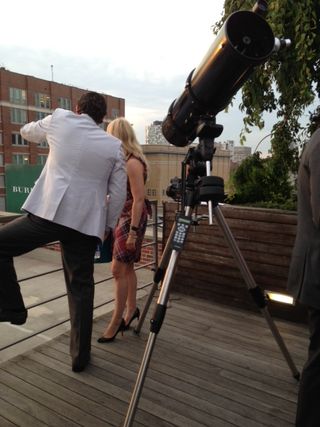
{"type": "Point", "coordinates": [26, 98]}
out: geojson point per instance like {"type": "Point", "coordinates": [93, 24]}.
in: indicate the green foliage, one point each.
{"type": "Point", "coordinates": [293, 74]}
{"type": "Point", "coordinates": [288, 83]}
{"type": "Point", "coordinates": [261, 182]}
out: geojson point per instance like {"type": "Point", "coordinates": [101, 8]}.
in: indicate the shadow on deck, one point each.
{"type": "Point", "coordinates": [212, 365]}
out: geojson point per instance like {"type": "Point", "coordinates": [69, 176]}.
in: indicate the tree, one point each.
{"type": "Point", "coordinates": [256, 182]}
{"type": "Point", "coordinates": [289, 82]}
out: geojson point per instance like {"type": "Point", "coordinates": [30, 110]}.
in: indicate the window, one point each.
{"type": "Point", "coordinates": [151, 192]}
{"type": "Point", "coordinates": [20, 159]}
{"type": "Point", "coordinates": [18, 116]}
{"type": "Point", "coordinates": [41, 115]}
{"type": "Point", "coordinates": [18, 96]}
{"type": "Point", "coordinates": [115, 113]}
{"type": "Point", "coordinates": [64, 103]}
{"type": "Point", "coordinates": [1, 160]}
{"type": "Point", "coordinates": [41, 159]}
{"type": "Point", "coordinates": [1, 181]}
{"type": "Point", "coordinates": [16, 139]}
{"type": "Point", "coordinates": [43, 144]}
{"type": "Point", "coordinates": [0, 138]}
{"type": "Point", "coordinates": [41, 100]}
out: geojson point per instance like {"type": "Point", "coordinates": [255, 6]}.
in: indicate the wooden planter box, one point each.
{"type": "Point", "coordinates": [207, 269]}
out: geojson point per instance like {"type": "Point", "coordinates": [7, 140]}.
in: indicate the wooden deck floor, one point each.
{"type": "Point", "coordinates": [212, 366]}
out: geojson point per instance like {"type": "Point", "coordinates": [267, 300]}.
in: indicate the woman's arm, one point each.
{"type": "Point", "coordinates": [136, 179]}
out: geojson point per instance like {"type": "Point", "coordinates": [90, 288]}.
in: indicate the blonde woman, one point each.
{"type": "Point", "coordinates": [129, 233]}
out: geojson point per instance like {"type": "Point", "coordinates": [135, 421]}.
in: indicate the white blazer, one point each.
{"type": "Point", "coordinates": [84, 165]}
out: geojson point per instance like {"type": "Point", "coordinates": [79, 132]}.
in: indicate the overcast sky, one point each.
{"type": "Point", "coordinates": [140, 50]}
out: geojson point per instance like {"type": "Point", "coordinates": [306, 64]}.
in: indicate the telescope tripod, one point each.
{"type": "Point", "coordinates": [166, 272]}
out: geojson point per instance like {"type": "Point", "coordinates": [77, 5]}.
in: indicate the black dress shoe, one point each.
{"type": "Point", "coordinates": [79, 367]}
{"type": "Point", "coordinates": [121, 328]}
{"type": "Point", "coordinates": [16, 317]}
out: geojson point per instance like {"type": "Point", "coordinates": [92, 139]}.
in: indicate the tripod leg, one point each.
{"type": "Point", "coordinates": [158, 276]}
{"type": "Point", "coordinates": [156, 323]}
{"type": "Point", "coordinates": [254, 289]}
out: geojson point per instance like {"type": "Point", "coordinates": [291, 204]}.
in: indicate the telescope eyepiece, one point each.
{"type": "Point", "coordinates": [281, 44]}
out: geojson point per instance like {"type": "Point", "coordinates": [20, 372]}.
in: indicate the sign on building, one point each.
{"type": "Point", "coordinates": [19, 181]}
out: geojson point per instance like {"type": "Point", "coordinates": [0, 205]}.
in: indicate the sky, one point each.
{"type": "Point", "coordinates": [142, 51]}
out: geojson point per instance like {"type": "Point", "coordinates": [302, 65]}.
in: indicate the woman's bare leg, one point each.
{"type": "Point", "coordinates": [132, 293]}
{"type": "Point", "coordinates": [120, 273]}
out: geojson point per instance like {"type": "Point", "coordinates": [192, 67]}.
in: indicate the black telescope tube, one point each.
{"type": "Point", "coordinates": [245, 41]}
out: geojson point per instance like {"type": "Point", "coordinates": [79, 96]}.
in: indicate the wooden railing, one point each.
{"type": "Point", "coordinates": [207, 269]}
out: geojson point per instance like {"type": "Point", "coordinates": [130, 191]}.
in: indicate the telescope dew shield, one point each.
{"type": "Point", "coordinates": [245, 41]}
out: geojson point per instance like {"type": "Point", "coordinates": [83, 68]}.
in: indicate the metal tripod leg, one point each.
{"type": "Point", "coordinates": [158, 276]}
{"type": "Point", "coordinates": [156, 323]}
{"type": "Point", "coordinates": [160, 311]}
{"type": "Point", "coordinates": [254, 289]}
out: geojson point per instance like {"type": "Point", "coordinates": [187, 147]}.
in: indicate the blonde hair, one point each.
{"type": "Point", "coordinates": [122, 129]}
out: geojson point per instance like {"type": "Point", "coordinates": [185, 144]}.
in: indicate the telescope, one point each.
{"type": "Point", "coordinates": [244, 42]}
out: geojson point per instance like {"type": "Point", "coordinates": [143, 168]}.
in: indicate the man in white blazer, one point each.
{"type": "Point", "coordinates": [78, 196]}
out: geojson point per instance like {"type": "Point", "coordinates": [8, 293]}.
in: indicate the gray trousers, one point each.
{"type": "Point", "coordinates": [77, 251]}
{"type": "Point", "coordinates": [308, 408]}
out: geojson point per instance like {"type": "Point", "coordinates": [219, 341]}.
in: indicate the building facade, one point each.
{"type": "Point", "coordinates": [24, 99]}
{"type": "Point", "coordinates": [240, 153]}
{"type": "Point", "coordinates": [154, 134]}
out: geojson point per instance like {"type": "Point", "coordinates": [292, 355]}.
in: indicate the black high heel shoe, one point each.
{"type": "Point", "coordinates": [121, 328]}
{"type": "Point", "coordinates": [136, 315]}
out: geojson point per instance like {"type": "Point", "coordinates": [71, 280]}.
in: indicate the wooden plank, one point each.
{"type": "Point", "coordinates": [153, 397]}
{"type": "Point", "coordinates": [99, 414]}
{"type": "Point", "coordinates": [172, 370]}
{"type": "Point", "coordinates": [55, 412]}
{"type": "Point", "coordinates": [212, 365]}
{"type": "Point", "coordinates": [120, 388]}
{"type": "Point", "coordinates": [16, 416]}
{"type": "Point", "coordinates": [25, 405]}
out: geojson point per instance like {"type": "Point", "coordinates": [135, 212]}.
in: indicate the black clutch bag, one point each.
{"type": "Point", "coordinates": [104, 250]}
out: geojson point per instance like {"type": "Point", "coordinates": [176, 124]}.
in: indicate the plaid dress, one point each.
{"type": "Point", "coordinates": [120, 252]}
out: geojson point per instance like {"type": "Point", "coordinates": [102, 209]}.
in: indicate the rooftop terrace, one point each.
{"type": "Point", "coordinates": [212, 365]}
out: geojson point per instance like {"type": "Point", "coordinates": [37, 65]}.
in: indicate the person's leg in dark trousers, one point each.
{"type": "Point", "coordinates": [30, 232]}
{"type": "Point", "coordinates": [78, 262]}
{"type": "Point", "coordinates": [308, 408]}
{"type": "Point", "coordinates": [16, 238]}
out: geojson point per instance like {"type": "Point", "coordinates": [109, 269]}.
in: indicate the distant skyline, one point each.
{"type": "Point", "coordinates": [126, 49]}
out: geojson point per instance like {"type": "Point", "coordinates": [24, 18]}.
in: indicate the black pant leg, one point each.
{"type": "Point", "coordinates": [308, 409]}
{"type": "Point", "coordinates": [78, 263]}
{"type": "Point", "coordinates": [16, 238]}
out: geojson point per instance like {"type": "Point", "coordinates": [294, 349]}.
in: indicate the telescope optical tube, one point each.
{"type": "Point", "coordinates": [245, 41]}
